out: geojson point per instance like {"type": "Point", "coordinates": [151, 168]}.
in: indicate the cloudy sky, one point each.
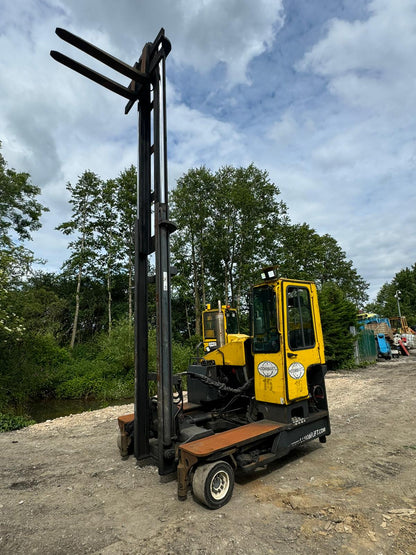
{"type": "Point", "coordinates": [320, 93]}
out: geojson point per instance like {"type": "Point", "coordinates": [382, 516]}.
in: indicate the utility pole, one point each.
{"type": "Point", "coordinates": [397, 295]}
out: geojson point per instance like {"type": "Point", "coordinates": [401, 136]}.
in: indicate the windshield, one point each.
{"type": "Point", "coordinates": [265, 322]}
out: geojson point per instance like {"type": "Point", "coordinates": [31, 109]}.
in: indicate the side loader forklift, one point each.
{"type": "Point", "coordinates": [251, 399]}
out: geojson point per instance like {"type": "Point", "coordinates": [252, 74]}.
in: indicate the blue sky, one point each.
{"type": "Point", "coordinates": [320, 93]}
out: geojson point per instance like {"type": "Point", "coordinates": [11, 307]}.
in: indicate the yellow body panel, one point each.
{"type": "Point", "coordinates": [297, 388]}
{"type": "Point", "coordinates": [270, 389]}
{"type": "Point", "coordinates": [232, 353]}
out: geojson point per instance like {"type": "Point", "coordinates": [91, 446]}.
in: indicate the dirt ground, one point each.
{"type": "Point", "coordinates": [64, 488]}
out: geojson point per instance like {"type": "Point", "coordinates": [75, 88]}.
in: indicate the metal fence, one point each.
{"type": "Point", "coordinates": [365, 346]}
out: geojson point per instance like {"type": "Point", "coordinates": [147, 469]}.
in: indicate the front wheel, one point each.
{"type": "Point", "coordinates": [213, 484]}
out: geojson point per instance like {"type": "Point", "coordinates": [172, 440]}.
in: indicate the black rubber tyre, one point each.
{"type": "Point", "coordinates": [213, 484]}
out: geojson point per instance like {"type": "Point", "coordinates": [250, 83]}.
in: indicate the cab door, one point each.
{"type": "Point", "coordinates": [267, 345]}
{"type": "Point", "coordinates": [301, 339]}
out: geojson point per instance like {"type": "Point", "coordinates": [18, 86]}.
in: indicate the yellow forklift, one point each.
{"type": "Point", "coordinates": [219, 326]}
{"type": "Point", "coordinates": [250, 399]}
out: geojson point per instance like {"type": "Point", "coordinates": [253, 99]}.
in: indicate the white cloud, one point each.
{"type": "Point", "coordinates": [203, 33]}
{"type": "Point", "coordinates": [199, 139]}
{"type": "Point", "coordinates": [370, 63]}
{"type": "Point", "coordinates": [60, 118]}
{"type": "Point", "coordinates": [232, 32]}
{"type": "Point", "coordinates": [285, 130]}
{"type": "Point", "coordinates": [352, 173]}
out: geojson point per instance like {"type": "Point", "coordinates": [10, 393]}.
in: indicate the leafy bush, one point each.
{"type": "Point", "coordinates": [181, 354]}
{"type": "Point", "coordinates": [118, 348]}
{"type": "Point", "coordinates": [29, 368]}
{"type": "Point", "coordinates": [101, 369]}
{"type": "Point", "coordinates": [9, 422]}
{"type": "Point", "coordinates": [79, 387]}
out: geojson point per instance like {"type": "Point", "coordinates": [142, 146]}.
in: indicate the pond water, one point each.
{"type": "Point", "coordinates": [48, 409]}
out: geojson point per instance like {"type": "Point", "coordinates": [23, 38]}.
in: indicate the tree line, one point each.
{"type": "Point", "coordinates": [231, 223]}
{"type": "Point", "coordinates": [101, 237]}
{"type": "Point", "coordinates": [402, 285]}
{"type": "Point", "coordinates": [69, 334]}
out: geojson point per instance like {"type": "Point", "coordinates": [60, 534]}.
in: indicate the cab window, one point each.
{"type": "Point", "coordinates": [299, 318]}
{"type": "Point", "coordinates": [266, 337]}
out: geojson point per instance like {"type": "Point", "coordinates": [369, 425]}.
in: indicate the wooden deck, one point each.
{"type": "Point", "coordinates": [236, 437]}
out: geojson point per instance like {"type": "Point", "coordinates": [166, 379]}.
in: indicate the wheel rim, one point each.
{"type": "Point", "coordinates": [219, 485]}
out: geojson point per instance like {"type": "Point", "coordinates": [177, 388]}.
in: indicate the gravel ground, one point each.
{"type": "Point", "coordinates": [65, 490]}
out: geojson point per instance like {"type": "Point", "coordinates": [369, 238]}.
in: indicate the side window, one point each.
{"type": "Point", "coordinates": [299, 318]}
{"type": "Point", "coordinates": [232, 321]}
{"type": "Point", "coordinates": [209, 326]}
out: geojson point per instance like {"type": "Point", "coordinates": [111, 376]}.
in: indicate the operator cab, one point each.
{"type": "Point", "coordinates": [287, 348]}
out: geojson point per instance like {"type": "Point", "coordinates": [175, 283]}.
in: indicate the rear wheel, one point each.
{"type": "Point", "coordinates": [213, 484]}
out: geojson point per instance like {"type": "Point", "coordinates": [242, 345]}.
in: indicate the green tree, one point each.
{"type": "Point", "coordinates": [228, 226]}
{"type": "Point", "coordinates": [108, 240]}
{"type": "Point", "coordinates": [304, 254]}
{"type": "Point", "coordinates": [84, 200]}
{"type": "Point", "coordinates": [244, 230]}
{"type": "Point", "coordinates": [338, 314]}
{"type": "Point", "coordinates": [191, 210]}
{"type": "Point", "coordinates": [42, 307]}
{"type": "Point", "coordinates": [127, 209]}
{"type": "Point", "coordinates": [20, 214]}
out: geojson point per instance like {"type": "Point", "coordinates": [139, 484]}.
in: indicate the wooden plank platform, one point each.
{"type": "Point", "coordinates": [126, 418]}
{"type": "Point", "coordinates": [236, 437]}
